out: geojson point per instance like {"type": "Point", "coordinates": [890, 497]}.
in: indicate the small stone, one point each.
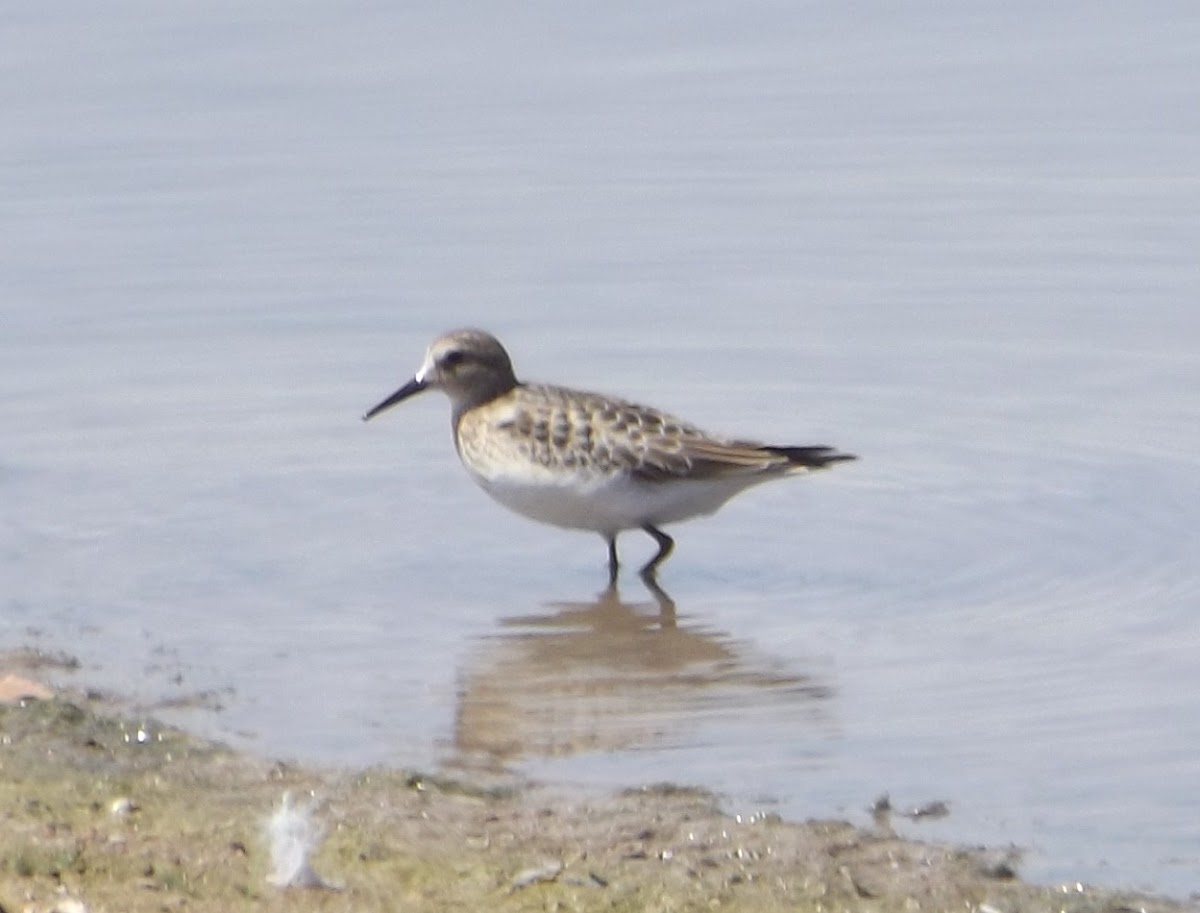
{"type": "Point", "coordinates": [548, 871]}
{"type": "Point", "coordinates": [68, 905]}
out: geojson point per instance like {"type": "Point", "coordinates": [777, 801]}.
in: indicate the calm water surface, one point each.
{"type": "Point", "coordinates": [961, 243]}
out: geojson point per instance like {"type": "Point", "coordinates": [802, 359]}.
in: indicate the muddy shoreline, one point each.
{"type": "Point", "coordinates": [104, 811]}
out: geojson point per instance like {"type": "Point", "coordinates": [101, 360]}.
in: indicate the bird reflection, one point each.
{"type": "Point", "coordinates": [609, 675]}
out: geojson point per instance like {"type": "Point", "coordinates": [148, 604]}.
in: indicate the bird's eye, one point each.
{"type": "Point", "coordinates": [452, 359]}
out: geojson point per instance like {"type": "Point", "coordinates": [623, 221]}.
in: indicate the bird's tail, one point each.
{"type": "Point", "coordinates": [815, 457]}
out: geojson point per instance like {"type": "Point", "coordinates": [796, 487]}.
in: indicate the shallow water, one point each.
{"type": "Point", "coordinates": [959, 243]}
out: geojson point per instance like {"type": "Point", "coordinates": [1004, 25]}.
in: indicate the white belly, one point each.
{"type": "Point", "coordinates": [607, 503]}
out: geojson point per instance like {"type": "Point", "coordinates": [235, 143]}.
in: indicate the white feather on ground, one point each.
{"type": "Point", "coordinates": [293, 835]}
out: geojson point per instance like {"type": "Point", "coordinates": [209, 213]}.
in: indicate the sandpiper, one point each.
{"type": "Point", "coordinates": [584, 460]}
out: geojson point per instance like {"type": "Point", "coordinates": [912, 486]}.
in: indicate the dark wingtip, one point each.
{"type": "Point", "coordinates": [814, 457]}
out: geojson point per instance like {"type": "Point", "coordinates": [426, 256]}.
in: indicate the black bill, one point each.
{"type": "Point", "coordinates": [409, 389]}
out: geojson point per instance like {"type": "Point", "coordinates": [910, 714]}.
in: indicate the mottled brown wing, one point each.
{"type": "Point", "coordinates": [697, 456]}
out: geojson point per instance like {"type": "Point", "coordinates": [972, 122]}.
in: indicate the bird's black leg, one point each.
{"type": "Point", "coordinates": [665, 545]}
{"type": "Point", "coordinates": [613, 564]}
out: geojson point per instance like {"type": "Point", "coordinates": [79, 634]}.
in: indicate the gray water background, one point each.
{"type": "Point", "coordinates": [958, 240]}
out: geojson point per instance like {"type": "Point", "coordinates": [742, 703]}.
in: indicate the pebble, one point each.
{"type": "Point", "coordinates": [546, 872]}
{"type": "Point", "coordinates": [69, 905]}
